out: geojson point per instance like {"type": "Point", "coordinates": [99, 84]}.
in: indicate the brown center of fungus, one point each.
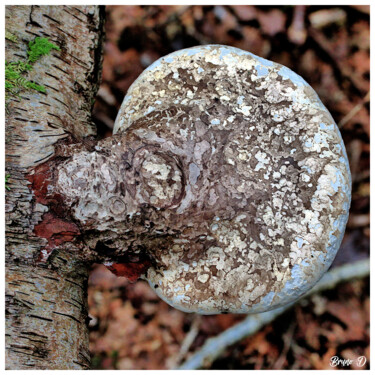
{"type": "Point", "coordinates": [159, 180]}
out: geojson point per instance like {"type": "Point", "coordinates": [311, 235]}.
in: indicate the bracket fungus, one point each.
{"type": "Point", "coordinates": [227, 171]}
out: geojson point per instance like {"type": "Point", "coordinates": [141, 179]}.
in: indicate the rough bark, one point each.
{"type": "Point", "coordinates": [46, 308]}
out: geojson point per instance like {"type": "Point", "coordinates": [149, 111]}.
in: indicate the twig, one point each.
{"type": "Point", "coordinates": [354, 111]}
{"type": "Point", "coordinates": [297, 31]}
{"type": "Point", "coordinates": [288, 340]}
{"type": "Point", "coordinates": [188, 340]}
{"type": "Point", "coordinates": [213, 347]}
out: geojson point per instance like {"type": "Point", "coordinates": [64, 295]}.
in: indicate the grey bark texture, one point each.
{"type": "Point", "coordinates": [46, 307]}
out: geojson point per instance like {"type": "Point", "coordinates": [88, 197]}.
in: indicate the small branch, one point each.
{"type": "Point", "coordinates": [354, 111]}
{"type": "Point", "coordinates": [297, 31]}
{"type": "Point", "coordinates": [215, 346]}
{"type": "Point", "coordinates": [288, 340]}
{"type": "Point", "coordinates": [188, 340]}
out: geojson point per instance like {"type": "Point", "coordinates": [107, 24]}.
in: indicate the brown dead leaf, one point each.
{"type": "Point", "coordinates": [120, 17]}
{"type": "Point", "coordinates": [322, 362]}
{"type": "Point", "coordinates": [258, 343]}
{"type": "Point", "coordinates": [362, 8]}
{"type": "Point", "coordinates": [272, 22]}
{"type": "Point", "coordinates": [245, 12]}
{"type": "Point", "coordinates": [360, 36]}
{"type": "Point", "coordinates": [353, 356]}
{"type": "Point", "coordinates": [352, 316]}
{"type": "Point", "coordinates": [254, 42]}
{"type": "Point", "coordinates": [360, 62]}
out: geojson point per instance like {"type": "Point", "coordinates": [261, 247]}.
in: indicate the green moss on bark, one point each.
{"type": "Point", "coordinates": [16, 72]}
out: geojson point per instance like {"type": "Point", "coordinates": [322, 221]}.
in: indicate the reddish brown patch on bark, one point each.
{"type": "Point", "coordinates": [39, 182]}
{"type": "Point", "coordinates": [41, 179]}
{"type": "Point", "coordinates": [55, 227]}
{"type": "Point", "coordinates": [132, 271]}
{"type": "Point", "coordinates": [56, 231]}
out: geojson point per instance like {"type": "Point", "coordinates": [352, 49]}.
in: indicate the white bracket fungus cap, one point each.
{"type": "Point", "coordinates": [266, 178]}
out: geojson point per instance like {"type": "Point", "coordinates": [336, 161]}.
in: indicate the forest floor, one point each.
{"type": "Point", "coordinates": [130, 327]}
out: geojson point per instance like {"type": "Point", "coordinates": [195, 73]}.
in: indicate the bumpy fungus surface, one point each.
{"type": "Point", "coordinates": [228, 171]}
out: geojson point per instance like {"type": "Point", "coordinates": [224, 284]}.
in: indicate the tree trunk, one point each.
{"type": "Point", "coordinates": [46, 307]}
